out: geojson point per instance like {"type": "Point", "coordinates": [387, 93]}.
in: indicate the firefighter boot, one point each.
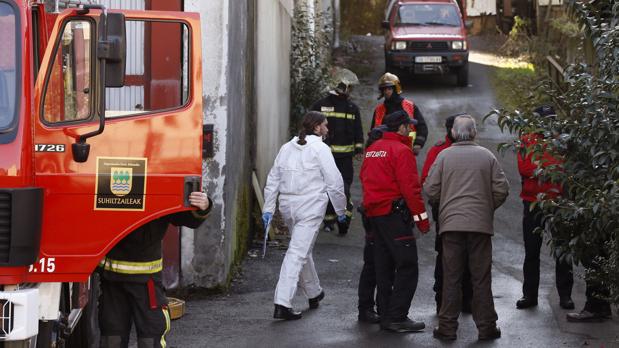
{"type": "Point", "coordinates": [342, 227]}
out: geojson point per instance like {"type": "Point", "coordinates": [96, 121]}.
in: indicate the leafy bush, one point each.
{"type": "Point", "coordinates": [310, 60]}
{"type": "Point", "coordinates": [583, 224]}
{"type": "Point", "coordinates": [518, 39]}
{"type": "Point", "coordinates": [566, 25]}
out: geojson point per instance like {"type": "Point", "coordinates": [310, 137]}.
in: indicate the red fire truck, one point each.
{"type": "Point", "coordinates": [100, 133]}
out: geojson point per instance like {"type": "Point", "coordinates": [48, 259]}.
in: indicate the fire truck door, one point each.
{"type": "Point", "coordinates": [151, 142]}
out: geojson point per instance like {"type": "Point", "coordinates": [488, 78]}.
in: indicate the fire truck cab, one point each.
{"type": "Point", "coordinates": [100, 133]}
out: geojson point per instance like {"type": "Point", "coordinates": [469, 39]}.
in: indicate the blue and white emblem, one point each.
{"type": "Point", "coordinates": [121, 179]}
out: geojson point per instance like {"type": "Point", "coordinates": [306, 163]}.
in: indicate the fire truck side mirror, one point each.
{"type": "Point", "coordinates": [80, 151]}
{"type": "Point", "coordinates": [114, 50]}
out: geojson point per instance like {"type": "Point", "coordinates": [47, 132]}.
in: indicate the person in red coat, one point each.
{"type": "Point", "coordinates": [532, 187]}
{"type": "Point", "coordinates": [392, 202]}
{"type": "Point", "coordinates": [467, 287]}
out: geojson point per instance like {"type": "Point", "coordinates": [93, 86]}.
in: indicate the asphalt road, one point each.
{"type": "Point", "coordinates": [243, 317]}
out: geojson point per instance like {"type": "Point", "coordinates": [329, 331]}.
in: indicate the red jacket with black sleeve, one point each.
{"type": "Point", "coordinates": [532, 185]}
{"type": "Point", "coordinates": [432, 155]}
{"type": "Point", "coordinates": [388, 173]}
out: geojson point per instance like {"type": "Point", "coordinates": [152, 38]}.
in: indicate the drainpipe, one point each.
{"type": "Point", "coordinates": [311, 12]}
{"type": "Point", "coordinates": [310, 8]}
{"type": "Point", "coordinates": [336, 26]}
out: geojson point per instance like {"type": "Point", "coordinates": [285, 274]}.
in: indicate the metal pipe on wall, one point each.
{"type": "Point", "coordinates": [336, 26]}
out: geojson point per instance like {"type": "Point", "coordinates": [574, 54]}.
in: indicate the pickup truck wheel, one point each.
{"type": "Point", "coordinates": [463, 76]}
{"type": "Point", "coordinates": [86, 334]}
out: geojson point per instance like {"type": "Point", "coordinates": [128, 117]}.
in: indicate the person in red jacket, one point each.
{"type": "Point", "coordinates": [532, 186]}
{"type": "Point", "coordinates": [437, 148]}
{"type": "Point", "coordinates": [467, 287]}
{"type": "Point", "coordinates": [392, 202]}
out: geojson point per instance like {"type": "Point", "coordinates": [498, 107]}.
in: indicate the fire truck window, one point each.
{"type": "Point", "coordinates": [8, 68]}
{"type": "Point", "coordinates": [156, 70]}
{"type": "Point", "coordinates": [67, 97]}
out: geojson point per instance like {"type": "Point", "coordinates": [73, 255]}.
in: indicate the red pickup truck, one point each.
{"type": "Point", "coordinates": [426, 37]}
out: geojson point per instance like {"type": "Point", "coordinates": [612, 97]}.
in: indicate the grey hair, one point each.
{"type": "Point", "coordinates": [464, 128]}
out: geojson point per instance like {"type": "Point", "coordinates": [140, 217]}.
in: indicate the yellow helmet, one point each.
{"type": "Point", "coordinates": [390, 80]}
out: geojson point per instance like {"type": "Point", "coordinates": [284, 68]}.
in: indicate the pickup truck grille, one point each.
{"type": "Point", "coordinates": [5, 226]}
{"type": "Point", "coordinates": [428, 46]}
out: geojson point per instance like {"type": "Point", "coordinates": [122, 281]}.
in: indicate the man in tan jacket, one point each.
{"type": "Point", "coordinates": [469, 183]}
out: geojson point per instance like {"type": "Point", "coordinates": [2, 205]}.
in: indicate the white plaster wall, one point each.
{"type": "Point", "coordinates": [477, 7]}
{"type": "Point", "coordinates": [550, 2]}
{"type": "Point", "coordinates": [272, 80]}
{"type": "Point", "coordinates": [214, 22]}
{"type": "Point", "coordinates": [288, 6]}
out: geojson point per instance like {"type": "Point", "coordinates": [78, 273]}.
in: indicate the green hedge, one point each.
{"type": "Point", "coordinates": [583, 224]}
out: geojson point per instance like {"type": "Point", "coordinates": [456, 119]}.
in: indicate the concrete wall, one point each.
{"type": "Point", "coordinates": [273, 26]}
{"type": "Point", "coordinates": [204, 253]}
{"type": "Point", "coordinates": [239, 152]}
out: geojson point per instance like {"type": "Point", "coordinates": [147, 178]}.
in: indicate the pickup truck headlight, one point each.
{"type": "Point", "coordinates": [398, 45]}
{"type": "Point", "coordinates": [458, 45]}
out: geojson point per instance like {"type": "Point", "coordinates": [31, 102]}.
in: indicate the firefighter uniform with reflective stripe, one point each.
{"type": "Point", "coordinates": [345, 139]}
{"type": "Point", "coordinates": [131, 285]}
{"type": "Point", "coordinates": [419, 133]}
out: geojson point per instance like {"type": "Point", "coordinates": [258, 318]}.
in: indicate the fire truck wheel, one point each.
{"type": "Point", "coordinates": [86, 334]}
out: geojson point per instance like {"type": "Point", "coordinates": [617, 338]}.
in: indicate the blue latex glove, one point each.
{"type": "Point", "coordinates": [266, 219]}
{"type": "Point", "coordinates": [342, 219]}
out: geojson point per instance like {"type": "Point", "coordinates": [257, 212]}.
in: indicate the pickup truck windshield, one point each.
{"type": "Point", "coordinates": [435, 14]}
{"type": "Point", "coordinates": [8, 65]}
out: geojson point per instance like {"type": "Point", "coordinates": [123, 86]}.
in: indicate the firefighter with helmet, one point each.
{"type": "Point", "coordinates": [390, 88]}
{"type": "Point", "coordinates": [345, 139]}
{"type": "Point", "coordinates": [131, 287]}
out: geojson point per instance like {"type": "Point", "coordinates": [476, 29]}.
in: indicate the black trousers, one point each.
{"type": "Point", "coordinates": [467, 287]}
{"type": "Point", "coordinates": [395, 260]}
{"type": "Point", "coordinates": [532, 245]}
{"type": "Point", "coordinates": [345, 166]}
{"type": "Point", "coordinates": [367, 279]}
{"type": "Point", "coordinates": [124, 303]}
